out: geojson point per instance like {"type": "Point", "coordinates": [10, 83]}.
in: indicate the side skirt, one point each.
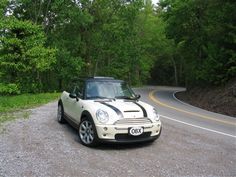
{"type": "Point", "coordinates": [70, 120]}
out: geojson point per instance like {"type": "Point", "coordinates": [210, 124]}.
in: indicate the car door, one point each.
{"type": "Point", "coordinates": [75, 105]}
{"type": "Point", "coordinates": [65, 98]}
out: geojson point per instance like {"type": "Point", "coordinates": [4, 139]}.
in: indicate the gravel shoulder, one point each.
{"type": "Point", "coordinates": [39, 146]}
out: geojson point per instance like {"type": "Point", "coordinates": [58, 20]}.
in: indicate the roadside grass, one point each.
{"type": "Point", "coordinates": [9, 105]}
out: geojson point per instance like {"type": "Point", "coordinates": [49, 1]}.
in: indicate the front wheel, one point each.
{"type": "Point", "coordinates": [87, 133]}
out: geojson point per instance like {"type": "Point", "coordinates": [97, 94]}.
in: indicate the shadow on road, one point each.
{"type": "Point", "coordinates": [122, 146]}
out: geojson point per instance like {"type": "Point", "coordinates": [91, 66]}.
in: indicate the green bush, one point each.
{"type": "Point", "coordinates": [9, 89]}
{"type": "Point", "coordinates": [24, 101]}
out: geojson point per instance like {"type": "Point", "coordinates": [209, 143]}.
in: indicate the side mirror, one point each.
{"type": "Point", "coordinates": [73, 95]}
{"type": "Point", "coordinates": [137, 96]}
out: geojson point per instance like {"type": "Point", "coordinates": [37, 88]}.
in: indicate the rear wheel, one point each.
{"type": "Point", "coordinates": [87, 132]}
{"type": "Point", "coordinates": [60, 114]}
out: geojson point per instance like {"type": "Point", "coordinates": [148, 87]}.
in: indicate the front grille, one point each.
{"type": "Point", "coordinates": [133, 121]}
{"type": "Point", "coordinates": [127, 137]}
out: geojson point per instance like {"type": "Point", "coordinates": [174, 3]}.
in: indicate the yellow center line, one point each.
{"type": "Point", "coordinates": [152, 97]}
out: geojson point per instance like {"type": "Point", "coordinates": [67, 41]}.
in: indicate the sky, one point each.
{"type": "Point", "coordinates": [155, 1]}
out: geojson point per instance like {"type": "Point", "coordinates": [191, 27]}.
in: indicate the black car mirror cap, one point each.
{"type": "Point", "coordinates": [73, 95]}
{"type": "Point", "coordinates": [137, 96]}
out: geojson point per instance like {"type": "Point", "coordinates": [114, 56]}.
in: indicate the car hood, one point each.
{"type": "Point", "coordinates": [127, 109]}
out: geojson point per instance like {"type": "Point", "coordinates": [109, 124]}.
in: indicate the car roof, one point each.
{"type": "Point", "coordinates": [100, 78]}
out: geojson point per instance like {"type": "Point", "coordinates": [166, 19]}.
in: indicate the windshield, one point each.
{"type": "Point", "coordinates": [108, 89]}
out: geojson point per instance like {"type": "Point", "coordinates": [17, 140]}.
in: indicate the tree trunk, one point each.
{"type": "Point", "coordinates": [175, 71]}
{"type": "Point", "coordinates": [95, 68]}
{"type": "Point", "coordinates": [60, 84]}
{"type": "Point", "coordinates": [40, 81]}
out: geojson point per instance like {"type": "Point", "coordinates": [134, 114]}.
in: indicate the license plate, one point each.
{"type": "Point", "coordinates": [135, 131]}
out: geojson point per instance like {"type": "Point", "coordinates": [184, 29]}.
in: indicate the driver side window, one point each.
{"type": "Point", "coordinates": [78, 89]}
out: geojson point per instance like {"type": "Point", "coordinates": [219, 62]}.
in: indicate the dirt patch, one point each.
{"type": "Point", "coordinates": [218, 99]}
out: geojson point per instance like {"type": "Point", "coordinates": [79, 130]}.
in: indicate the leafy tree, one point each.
{"type": "Point", "coordinates": [23, 57]}
{"type": "Point", "coordinates": [63, 23]}
{"type": "Point", "coordinates": [46, 44]}
{"type": "Point", "coordinates": [200, 30]}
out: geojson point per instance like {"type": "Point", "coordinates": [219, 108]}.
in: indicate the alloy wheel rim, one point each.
{"type": "Point", "coordinates": [86, 132]}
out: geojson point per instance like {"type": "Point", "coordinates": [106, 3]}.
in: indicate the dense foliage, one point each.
{"type": "Point", "coordinates": [204, 33]}
{"type": "Point", "coordinates": [46, 44]}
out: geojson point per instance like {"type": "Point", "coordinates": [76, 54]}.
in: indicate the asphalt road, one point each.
{"type": "Point", "coordinates": [194, 142]}
{"type": "Point", "coordinates": [175, 110]}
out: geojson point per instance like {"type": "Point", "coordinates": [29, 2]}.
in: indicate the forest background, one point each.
{"type": "Point", "coordinates": [44, 45]}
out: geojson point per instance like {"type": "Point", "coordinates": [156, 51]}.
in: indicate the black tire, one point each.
{"type": "Point", "coordinates": [87, 132]}
{"type": "Point", "coordinates": [60, 114]}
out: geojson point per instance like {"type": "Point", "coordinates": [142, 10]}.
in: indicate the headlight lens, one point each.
{"type": "Point", "coordinates": [156, 115]}
{"type": "Point", "coordinates": [102, 116]}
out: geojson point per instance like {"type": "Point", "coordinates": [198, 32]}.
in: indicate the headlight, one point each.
{"type": "Point", "coordinates": [102, 116]}
{"type": "Point", "coordinates": [156, 115]}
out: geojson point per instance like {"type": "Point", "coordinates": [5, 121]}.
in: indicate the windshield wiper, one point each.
{"type": "Point", "coordinates": [126, 97]}
{"type": "Point", "coordinates": [97, 97]}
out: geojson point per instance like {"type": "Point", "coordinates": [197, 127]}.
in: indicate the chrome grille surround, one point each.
{"type": "Point", "coordinates": [133, 121]}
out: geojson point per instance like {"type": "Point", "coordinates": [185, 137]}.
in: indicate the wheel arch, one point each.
{"type": "Point", "coordinates": [59, 102]}
{"type": "Point", "coordinates": [86, 114]}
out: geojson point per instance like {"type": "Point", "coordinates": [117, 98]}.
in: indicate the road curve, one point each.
{"type": "Point", "coordinates": [40, 146]}
{"type": "Point", "coordinates": [173, 109]}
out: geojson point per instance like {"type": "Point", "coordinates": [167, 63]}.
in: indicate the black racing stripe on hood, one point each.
{"type": "Point", "coordinates": [118, 112]}
{"type": "Point", "coordinates": [143, 109]}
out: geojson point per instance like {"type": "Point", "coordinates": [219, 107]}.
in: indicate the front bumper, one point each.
{"type": "Point", "coordinates": [119, 133]}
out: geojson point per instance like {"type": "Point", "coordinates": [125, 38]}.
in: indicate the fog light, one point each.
{"type": "Point", "coordinates": [104, 134]}
{"type": "Point", "coordinates": [105, 128]}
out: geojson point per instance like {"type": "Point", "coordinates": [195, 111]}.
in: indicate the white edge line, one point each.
{"type": "Point", "coordinates": [196, 126]}
{"type": "Point", "coordinates": [187, 104]}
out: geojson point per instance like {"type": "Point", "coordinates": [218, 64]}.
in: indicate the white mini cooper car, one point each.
{"type": "Point", "coordinates": [105, 109]}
